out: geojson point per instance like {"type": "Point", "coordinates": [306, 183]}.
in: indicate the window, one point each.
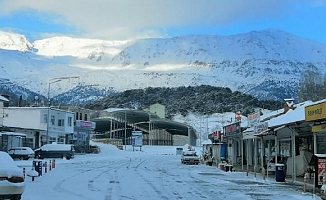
{"type": "Point", "coordinates": [52, 119]}
{"type": "Point", "coordinates": [69, 121]}
{"type": "Point", "coordinates": [61, 139]}
{"type": "Point", "coordinates": [61, 122]}
{"type": "Point", "coordinates": [76, 115]}
{"type": "Point", "coordinates": [53, 139]}
{"type": "Point", "coordinates": [45, 118]}
{"type": "Point", "coordinates": [85, 117]}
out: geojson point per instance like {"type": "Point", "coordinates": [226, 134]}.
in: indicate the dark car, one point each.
{"type": "Point", "coordinates": [55, 151]}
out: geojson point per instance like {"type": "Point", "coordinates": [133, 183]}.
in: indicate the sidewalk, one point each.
{"type": "Point", "coordinates": [298, 182]}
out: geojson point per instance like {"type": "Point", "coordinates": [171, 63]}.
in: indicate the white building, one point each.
{"type": "Point", "coordinates": [158, 109]}
{"type": "Point", "coordinates": [39, 123]}
{"type": "Point", "coordinates": [2, 99]}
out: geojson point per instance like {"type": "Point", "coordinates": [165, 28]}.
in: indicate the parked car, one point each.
{"type": "Point", "coordinates": [55, 151]}
{"type": "Point", "coordinates": [12, 184]}
{"type": "Point", "coordinates": [189, 157]}
{"type": "Point", "coordinates": [22, 153]}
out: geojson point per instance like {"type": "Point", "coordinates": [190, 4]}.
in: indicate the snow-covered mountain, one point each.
{"type": "Point", "coordinates": [266, 64]}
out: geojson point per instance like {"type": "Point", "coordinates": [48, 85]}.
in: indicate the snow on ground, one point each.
{"type": "Point", "coordinates": [152, 173]}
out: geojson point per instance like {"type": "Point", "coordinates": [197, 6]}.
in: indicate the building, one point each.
{"type": "Point", "coordinates": [2, 100]}
{"type": "Point", "coordinates": [83, 127]}
{"type": "Point", "coordinates": [40, 124]}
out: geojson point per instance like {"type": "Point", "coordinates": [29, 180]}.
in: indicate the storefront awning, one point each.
{"type": "Point", "coordinates": [248, 133]}
{"type": "Point", "coordinates": [13, 134]}
{"type": "Point", "coordinates": [264, 133]}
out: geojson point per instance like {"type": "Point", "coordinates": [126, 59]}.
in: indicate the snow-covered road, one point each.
{"type": "Point", "coordinates": [154, 173]}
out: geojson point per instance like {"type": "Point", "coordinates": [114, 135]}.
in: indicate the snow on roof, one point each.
{"type": "Point", "coordinates": [13, 134]}
{"type": "Point", "coordinates": [56, 147]}
{"type": "Point", "coordinates": [3, 98]}
{"type": "Point", "coordinates": [271, 114]}
{"type": "Point", "coordinates": [291, 116]}
{"type": "Point", "coordinates": [207, 142]}
{"type": "Point", "coordinates": [115, 109]}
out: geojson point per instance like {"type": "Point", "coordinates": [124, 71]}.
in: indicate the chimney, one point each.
{"type": "Point", "coordinates": [288, 104]}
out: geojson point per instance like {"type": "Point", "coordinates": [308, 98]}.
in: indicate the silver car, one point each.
{"type": "Point", "coordinates": [12, 184]}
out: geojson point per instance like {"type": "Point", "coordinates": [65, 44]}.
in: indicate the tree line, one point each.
{"type": "Point", "coordinates": [312, 86]}
{"type": "Point", "coordinates": [203, 99]}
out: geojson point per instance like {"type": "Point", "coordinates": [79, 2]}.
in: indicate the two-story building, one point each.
{"type": "Point", "coordinates": [40, 124]}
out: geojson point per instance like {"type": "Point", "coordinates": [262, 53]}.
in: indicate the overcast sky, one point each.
{"type": "Point", "coordinates": [130, 19]}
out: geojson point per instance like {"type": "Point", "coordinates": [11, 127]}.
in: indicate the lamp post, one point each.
{"type": "Point", "coordinates": [125, 130]}
{"type": "Point", "coordinates": [54, 80]}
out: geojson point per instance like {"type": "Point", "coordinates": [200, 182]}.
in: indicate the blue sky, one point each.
{"type": "Point", "coordinates": [130, 19]}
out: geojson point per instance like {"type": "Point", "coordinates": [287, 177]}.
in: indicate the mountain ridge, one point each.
{"type": "Point", "coordinates": [266, 64]}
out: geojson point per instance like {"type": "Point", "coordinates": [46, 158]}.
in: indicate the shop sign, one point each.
{"type": "Point", "coordinates": [318, 128]}
{"type": "Point", "coordinates": [85, 124]}
{"type": "Point", "coordinates": [315, 112]}
{"type": "Point", "coordinates": [261, 127]}
{"type": "Point", "coordinates": [253, 119]}
{"type": "Point", "coordinates": [321, 170]}
{"type": "Point", "coordinates": [232, 129]}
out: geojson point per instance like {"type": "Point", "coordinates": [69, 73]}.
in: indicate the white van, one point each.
{"type": "Point", "coordinates": [22, 153]}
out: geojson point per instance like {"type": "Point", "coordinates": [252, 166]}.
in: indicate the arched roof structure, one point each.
{"type": "Point", "coordinates": [143, 121]}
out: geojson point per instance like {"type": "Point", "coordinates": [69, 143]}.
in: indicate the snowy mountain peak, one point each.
{"type": "Point", "coordinates": [78, 47]}
{"type": "Point", "coordinates": [266, 64]}
{"type": "Point", "coordinates": [13, 41]}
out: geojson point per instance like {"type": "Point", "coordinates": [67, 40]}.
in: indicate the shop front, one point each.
{"type": "Point", "coordinates": [316, 115]}
{"type": "Point", "coordinates": [233, 135]}
{"type": "Point", "coordinates": [81, 136]}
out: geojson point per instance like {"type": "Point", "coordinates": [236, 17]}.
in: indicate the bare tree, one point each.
{"type": "Point", "coordinates": [311, 86]}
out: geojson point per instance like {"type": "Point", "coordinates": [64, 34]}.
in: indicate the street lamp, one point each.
{"type": "Point", "coordinates": [54, 80]}
{"type": "Point", "coordinates": [125, 130]}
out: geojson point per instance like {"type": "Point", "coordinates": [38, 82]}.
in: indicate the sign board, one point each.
{"type": "Point", "coordinates": [44, 138]}
{"type": "Point", "coordinates": [318, 128]}
{"type": "Point", "coordinates": [261, 127]}
{"type": "Point", "coordinates": [315, 112]}
{"type": "Point", "coordinates": [253, 119]}
{"type": "Point", "coordinates": [85, 124]}
{"type": "Point", "coordinates": [137, 138]}
{"type": "Point", "coordinates": [232, 129]}
{"type": "Point", "coordinates": [321, 170]}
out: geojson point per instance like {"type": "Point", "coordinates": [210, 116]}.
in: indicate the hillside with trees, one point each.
{"type": "Point", "coordinates": [202, 99]}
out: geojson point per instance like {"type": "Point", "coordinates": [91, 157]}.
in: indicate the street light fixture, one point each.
{"type": "Point", "coordinates": [54, 80]}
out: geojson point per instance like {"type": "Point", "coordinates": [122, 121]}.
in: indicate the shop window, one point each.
{"type": "Point", "coordinates": [52, 139]}
{"type": "Point", "coordinates": [321, 144]}
{"type": "Point", "coordinates": [285, 148]}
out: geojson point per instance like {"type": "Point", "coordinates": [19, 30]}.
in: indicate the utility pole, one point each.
{"type": "Point", "coordinates": [54, 80]}
{"type": "Point", "coordinates": [125, 130]}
